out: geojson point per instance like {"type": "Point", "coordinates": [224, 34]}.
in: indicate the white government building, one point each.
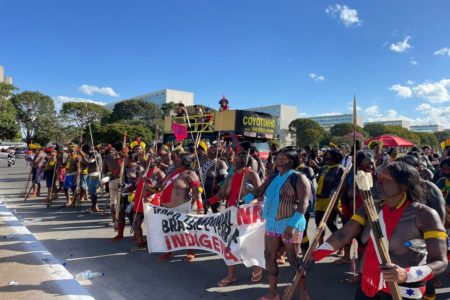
{"type": "Point", "coordinates": [161, 97]}
{"type": "Point", "coordinates": [284, 115]}
{"type": "Point", "coordinates": [3, 78]}
{"type": "Point", "coordinates": [329, 121]}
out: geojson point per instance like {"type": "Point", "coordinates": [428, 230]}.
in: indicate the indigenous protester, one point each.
{"type": "Point", "coordinates": [408, 225]}
{"type": "Point", "coordinates": [309, 173]}
{"type": "Point", "coordinates": [37, 172]}
{"type": "Point", "coordinates": [70, 178]}
{"type": "Point", "coordinates": [223, 104]}
{"type": "Point", "coordinates": [213, 173]}
{"type": "Point", "coordinates": [329, 176]}
{"type": "Point", "coordinates": [93, 162]}
{"type": "Point", "coordinates": [433, 199]}
{"type": "Point", "coordinates": [133, 171]}
{"type": "Point", "coordinates": [111, 169]}
{"type": "Point", "coordinates": [241, 182]}
{"type": "Point", "coordinates": [287, 198]}
{"type": "Point", "coordinates": [181, 110]}
{"type": "Point", "coordinates": [164, 153]}
{"type": "Point", "coordinates": [61, 161]}
{"type": "Point", "coordinates": [444, 182]}
{"type": "Point", "coordinates": [180, 190]}
{"type": "Point", "coordinates": [364, 162]}
{"type": "Point", "coordinates": [378, 155]}
{"type": "Point", "coordinates": [50, 174]}
{"type": "Point", "coordinates": [146, 190]}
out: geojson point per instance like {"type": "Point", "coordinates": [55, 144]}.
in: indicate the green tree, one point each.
{"type": "Point", "coordinates": [343, 129]}
{"type": "Point", "coordinates": [168, 108]}
{"type": "Point", "coordinates": [427, 138]}
{"type": "Point", "coordinates": [137, 110]}
{"type": "Point", "coordinates": [8, 124]}
{"type": "Point", "coordinates": [442, 135]}
{"type": "Point", "coordinates": [306, 132]}
{"type": "Point", "coordinates": [374, 129]}
{"type": "Point", "coordinates": [35, 112]}
{"type": "Point", "coordinates": [82, 114]}
{"type": "Point", "coordinates": [7, 90]}
{"type": "Point", "coordinates": [113, 132]}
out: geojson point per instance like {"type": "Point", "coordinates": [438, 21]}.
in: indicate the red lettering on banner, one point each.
{"type": "Point", "coordinates": [257, 213]}
{"type": "Point", "coordinates": [178, 241]}
{"type": "Point", "coordinates": [216, 243]}
{"type": "Point", "coordinates": [190, 239]}
{"type": "Point", "coordinates": [249, 215]}
{"type": "Point", "coordinates": [169, 246]}
{"type": "Point", "coordinates": [204, 241]}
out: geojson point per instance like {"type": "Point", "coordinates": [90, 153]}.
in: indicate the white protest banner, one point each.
{"type": "Point", "coordinates": [236, 234]}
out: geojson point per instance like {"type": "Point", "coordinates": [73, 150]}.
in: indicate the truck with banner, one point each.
{"type": "Point", "coordinates": [232, 125]}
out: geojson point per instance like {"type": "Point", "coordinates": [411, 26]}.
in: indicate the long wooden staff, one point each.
{"type": "Point", "coordinates": [364, 182]}
{"type": "Point", "coordinates": [290, 289]}
{"type": "Point", "coordinates": [353, 245]}
{"type": "Point", "coordinates": [195, 148]}
{"type": "Point", "coordinates": [121, 177]}
{"type": "Point", "coordinates": [28, 182]}
{"type": "Point", "coordinates": [243, 176]}
{"type": "Point", "coordinates": [217, 150]}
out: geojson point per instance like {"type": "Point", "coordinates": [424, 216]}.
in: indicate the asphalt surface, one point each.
{"type": "Point", "coordinates": [78, 240]}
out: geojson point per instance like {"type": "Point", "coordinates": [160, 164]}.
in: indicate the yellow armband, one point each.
{"type": "Point", "coordinates": [434, 235]}
{"type": "Point", "coordinates": [359, 219]}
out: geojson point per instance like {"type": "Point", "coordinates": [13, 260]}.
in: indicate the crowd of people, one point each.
{"type": "Point", "coordinates": [411, 191]}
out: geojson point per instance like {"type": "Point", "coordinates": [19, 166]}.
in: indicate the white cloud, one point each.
{"type": "Point", "coordinates": [435, 92]}
{"type": "Point", "coordinates": [402, 91]}
{"type": "Point", "coordinates": [401, 46]}
{"type": "Point", "coordinates": [59, 100]}
{"type": "Point", "coordinates": [432, 114]}
{"type": "Point", "coordinates": [316, 77]}
{"type": "Point", "coordinates": [92, 89]}
{"type": "Point", "coordinates": [409, 82]}
{"type": "Point", "coordinates": [348, 16]}
{"type": "Point", "coordinates": [442, 51]}
{"type": "Point", "coordinates": [387, 115]}
{"type": "Point", "coordinates": [372, 111]}
{"type": "Point", "coordinates": [414, 62]}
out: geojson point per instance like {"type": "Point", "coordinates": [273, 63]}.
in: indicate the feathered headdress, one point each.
{"type": "Point", "coordinates": [138, 142]}
{"type": "Point", "coordinates": [373, 143]}
{"type": "Point", "coordinates": [445, 144]}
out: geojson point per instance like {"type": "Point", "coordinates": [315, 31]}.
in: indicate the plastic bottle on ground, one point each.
{"type": "Point", "coordinates": [88, 274]}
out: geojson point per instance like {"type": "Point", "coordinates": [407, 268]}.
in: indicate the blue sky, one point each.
{"type": "Point", "coordinates": [394, 55]}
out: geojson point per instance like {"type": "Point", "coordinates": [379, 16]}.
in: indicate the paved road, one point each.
{"type": "Point", "coordinates": [82, 240]}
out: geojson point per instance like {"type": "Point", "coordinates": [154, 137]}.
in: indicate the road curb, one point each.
{"type": "Point", "coordinates": [64, 282]}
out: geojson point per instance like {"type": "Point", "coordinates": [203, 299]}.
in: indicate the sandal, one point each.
{"type": "Point", "coordinates": [189, 257]}
{"type": "Point", "coordinates": [256, 275]}
{"type": "Point", "coordinates": [226, 282]}
{"type": "Point", "coordinates": [342, 261]}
